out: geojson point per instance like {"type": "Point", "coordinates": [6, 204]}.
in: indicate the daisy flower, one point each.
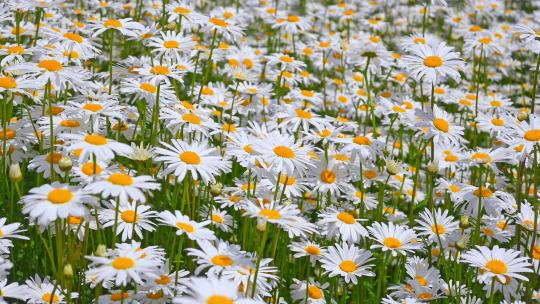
{"type": "Point", "coordinates": [216, 257]}
{"type": "Point", "coordinates": [393, 238]}
{"type": "Point", "coordinates": [124, 187]}
{"type": "Point", "coordinates": [343, 224]}
{"type": "Point", "coordinates": [48, 202]}
{"type": "Point", "coordinates": [433, 62]}
{"type": "Point", "coordinates": [171, 45]}
{"type": "Point", "coordinates": [497, 263]}
{"type": "Point", "coordinates": [197, 159]}
{"type": "Point", "coordinates": [213, 289]}
{"type": "Point", "coordinates": [9, 231]}
{"type": "Point", "coordinates": [125, 26]}
{"type": "Point", "coordinates": [347, 261]}
{"type": "Point", "coordinates": [307, 249]}
{"type": "Point", "coordinates": [184, 225]}
{"type": "Point", "coordinates": [90, 145]}
{"type": "Point", "coordinates": [131, 217]}
{"type": "Point", "coordinates": [283, 154]}
{"type": "Point", "coordinates": [437, 124]}
{"type": "Point", "coordinates": [436, 226]}
{"type": "Point", "coordinates": [121, 266]}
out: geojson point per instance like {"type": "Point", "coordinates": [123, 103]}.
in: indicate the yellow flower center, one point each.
{"type": "Point", "coordinates": [118, 296]}
{"type": "Point", "coordinates": [532, 135]}
{"type": "Point", "coordinates": [122, 263]}
{"type": "Point", "coordinates": [185, 226]}
{"type": "Point", "coordinates": [314, 292]}
{"type": "Point", "coordinates": [93, 107]}
{"type": "Point", "coordinates": [347, 266]}
{"type": "Point", "coordinates": [392, 242]}
{"type": "Point", "coordinates": [120, 179]}
{"type": "Point", "coordinates": [69, 123]}
{"type": "Point", "coordinates": [171, 44]}
{"type": "Point", "coordinates": [284, 152]}
{"type": "Point", "coordinates": [313, 250]}
{"type": "Point", "coordinates": [270, 214]}
{"type": "Point", "coordinates": [74, 37]}
{"type": "Point", "coordinates": [287, 59]}
{"type": "Point", "coordinates": [497, 122]}
{"type": "Point", "coordinates": [148, 87]}
{"type": "Point", "coordinates": [60, 196]}
{"type": "Point", "coordinates": [112, 23]}
{"type": "Point", "coordinates": [362, 140]}
{"type": "Point", "coordinates": [217, 218]}
{"type": "Point", "coordinates": [328, 176]}
{"type": "Point", "coordinates": [249, 148]}
{"type": "Point", "coordinates": [218, 22]}
{"type": "Point", "coordinates": [50, 298]}
{"type": "Point", "coordinates": [7, 83]}
{"type": "Point", "coordinates": [222, 260]}
{"type": "Point", "coordinates": [496, 266]}
{"type": "Point", "coordinates": [130, 216]}
{"type": "Point", "coordinates": [50, 65]}
{"type": "Point", "coordinates": [91, 168]}
{"type": "Point", "coordinates": [441, 124]}
{"type": "Point", "coordinates": [182, 10]}
{"type": "Point", "coordinates": [370, 174]}
{"type": "Point", "coordinates": [346, 218]}
{"type": "Point", "coordinates": [155, 295]}
{"type": "Point", "coordinates": [303, 114]}
{"type": "Point", "coordinates": [481, 157]}
{"type": "Point", "coordinates": [16, 49]}
{"type": "Point", "coordinates": [293, 18]}
{"type": "Point", "coordinates": [190, 158]}
{"type": "Point", "coordinates": [483, 192]}
{"type": "Point", "coordinates": [421, 280]}
{"type": "Point", "coordinates": [420, 40]}
{"type": "Point", "coordinates": [192, 118]}
{"type": "Point", "coordinates": [54, 157]}
{"type": "Point", "coordinates": [95, 139]}
{"type": "Point", "coordinates": [160, 70]}
{"type": "Point", "coordinates": [438, 229]}
{"type": "Point", "coordinates": [163, 280]}
{"type": "Point", "coordinates": [433, 61]}
{"type": "Point", "coordinates": [219, 299]}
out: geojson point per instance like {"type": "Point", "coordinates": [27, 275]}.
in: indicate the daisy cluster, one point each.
{"type": "Point", "coordinates": [257, 151]}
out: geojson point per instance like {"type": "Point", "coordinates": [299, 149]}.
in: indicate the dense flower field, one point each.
{"type": "Point", "coordinates": [269, 151]}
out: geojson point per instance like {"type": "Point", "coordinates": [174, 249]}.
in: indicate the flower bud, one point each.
{"type": "Point", "coordinates": [65, 163]}
{"type": "Point", "coordinates": [522, 116]}
{"type": "Point", "coordinates": [101, 251]}
{"type": "Point", "coordinates": [216, 189]}
{"type": "Point", "coordinates": [433, 167]}
{"type": "Point", "coordinates": [464, 222]}
{"type": "Point", "coordinates": [68, 270]}
{"type": "Point", "coordinates": [261, 225]}
{"type": "Point", "coordinates": [463, 242]}
{"type": "Point", "coordinates": [171, 25]}
{"type": "Point", "coordinates": [393, 167]}
{"type": "Point", "coordinates": [15, 174]}
{"type": "Point", "coordinates": [287, 202]}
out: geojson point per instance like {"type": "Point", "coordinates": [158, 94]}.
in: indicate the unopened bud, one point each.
{"type": "Point", "coordinates": [15, 174]}
{"type": "Point", "coordinates": [65, 163]}
{"type": "Point", "coordinates": [68, 270]}
{"type": "Point", "coordinates": [433, 167]}
{"type": "Point", "coordinates": [171, 25]}
{"type": "Point", "coordinates": [216, 189]}
{"type": "Point", "coordinates": [522, 116]}
{"type": "Point", "coordinates": [261, 225]}
{"type": "Point", "coordinates": [101, 251]}
{"type": "Point", "coordinates": [463, 242]}
{"type": "Point", "coordinates": [287, 202]}
{"type": "Point", "coordinates": [392, 167]}
{"type": "Point", "coordinates": [464, 222]}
